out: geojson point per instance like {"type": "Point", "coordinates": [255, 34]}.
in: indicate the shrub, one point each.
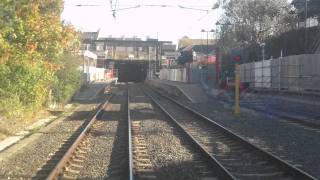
{"type": "Point", "coordinates": [23, 87]}
{"type": "Point", "coordinates": [68, 79]}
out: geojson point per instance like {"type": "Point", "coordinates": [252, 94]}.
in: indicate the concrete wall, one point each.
{"type": "Point", "coordinates": [174, 74]}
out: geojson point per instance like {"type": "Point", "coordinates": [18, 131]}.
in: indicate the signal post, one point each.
{"type": "Point", "coordinates": [237, 60]}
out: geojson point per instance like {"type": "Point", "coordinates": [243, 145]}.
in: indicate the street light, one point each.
{"type": "Point", "coordinates": [207, 41]}
{"type": "Point", "coordinates": [207, 52]}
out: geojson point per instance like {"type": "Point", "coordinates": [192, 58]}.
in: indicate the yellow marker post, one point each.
{"type": "Point", "coordinates": [237, 89]}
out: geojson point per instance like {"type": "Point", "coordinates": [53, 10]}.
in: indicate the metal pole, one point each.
{"type": "Point", "coordinates": [305, 30]}
{"type": "Point", "coordinates": [262, 66]}
{"type": "Point", "coordinates": [280, 71]}
{"type": "Point", "coordinates": [149, 62]}
{"type": "Point", "coordinates": [218, 58]}
{"type": "Point", "coordinates": [263, 53]}
{"type": "Point", "coordinates": [237, 89]}
{"type": "Point", "coordinates": [207, 46]}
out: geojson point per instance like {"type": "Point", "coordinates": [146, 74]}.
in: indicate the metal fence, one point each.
{"type": "Point", "coordinates": [174, 74]}
{"type": "Point", "coordinates": [294, 73]}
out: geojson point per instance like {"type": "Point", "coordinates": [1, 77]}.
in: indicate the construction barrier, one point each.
{"type": "Point", "coordinates": [294, 73]}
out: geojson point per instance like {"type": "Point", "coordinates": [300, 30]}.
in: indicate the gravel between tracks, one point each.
{"type": "Point", "coordinates": [171, 157]}
{"type": "Point", "coordinates": [103, 136]}
{"type": "Point", "coordinates": [97, 160]}
{"type": "Point", "coordinates": [168, 153]}
{"type": "Point", "coordinates": [295, 144]}
{"type": "Point", "coordinates": [25, 163]}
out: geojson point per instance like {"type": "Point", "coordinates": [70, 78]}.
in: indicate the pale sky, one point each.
{"type": "Point", "coordinates": [168, 23]}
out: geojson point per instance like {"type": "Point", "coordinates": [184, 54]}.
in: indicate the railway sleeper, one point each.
{"type": "Point", "coordinates": [76, 161]}
{"type": "Point", "coordinates": [261, 176]}
{"type": "Point", "coordinates": [67, 177]}
{"type": "Point", "coordinates": [75, 166]}
{"type": "Point", "coordinates": [142, 177]}
{"type": "Point", "coordinates": [71, 171]}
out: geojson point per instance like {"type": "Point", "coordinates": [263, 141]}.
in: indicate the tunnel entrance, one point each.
{"type": "Point", "coordinates": [131, 71]}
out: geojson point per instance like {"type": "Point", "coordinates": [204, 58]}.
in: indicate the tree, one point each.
{"type": "Point", "coordinates": [68, 78]}
{"type": "Point", "coordinates": [255, 20]}
{"type": "Point", "coordinates": [313, 8]}
{"type": "Point", "coordinates": [248, 23]}
{"type": "Point", "coordinates": [185, 57]}
{"type": "Point", "coordinates": [32, 41]}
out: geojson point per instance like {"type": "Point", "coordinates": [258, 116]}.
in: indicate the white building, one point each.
{"type": "Point", "coordinates": [89, 67]}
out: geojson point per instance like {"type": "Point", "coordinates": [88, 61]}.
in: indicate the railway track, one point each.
{"type": "Point", "coordinates": [220, 154]}
{"type": "Point", "coordinates": [130, 158]}
{"type": "Point", "coordinates": [200, 166]}
{"type": "Point", "coordinates": [234, 157]}
{"type": "Point", "coordinates": [142, 165]}
{"type": "Point", "coordinates": [67, 161]}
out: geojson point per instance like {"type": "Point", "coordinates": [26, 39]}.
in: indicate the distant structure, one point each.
{"type": "Point", "coordinates": [198, 61]}
{"type": "Point", "coordinates": [202, 51]}
{"type": "Point", "coordinates": [170, 55]}
{"type": "Point", "coordinates": [111, 51]}
{"type": "Point", "coordinates": [185, 41]}
{"type": "Point", "coordinates": [89, 68]}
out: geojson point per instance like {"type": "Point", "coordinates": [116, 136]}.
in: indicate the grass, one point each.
{"type": "Point", "coordinates": [12, 126]}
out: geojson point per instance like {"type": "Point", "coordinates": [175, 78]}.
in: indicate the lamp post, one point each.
{"type": "Point", "coordinates": [207, 52]}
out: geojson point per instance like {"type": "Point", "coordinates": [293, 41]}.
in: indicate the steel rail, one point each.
{"type": "Point", "coordinates": [283, 164]}
{"type": "Point", "coordinates": [212, 161]}
{"type": "Point", "coordinates": [61, 164]}
{"type": "Point", "coordinates": [129, 139]}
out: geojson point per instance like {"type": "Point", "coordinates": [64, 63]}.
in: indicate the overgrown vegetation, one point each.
{"type": "Point", "coordinates": [252, 21]}
{"type": "Point", "coordinates": [68, 79]}
{"type": "Point", "coordinates": [248, 26]}
{"type": "Point", "coordinates": [313, 8]}
{"type": "Point", "coordinates": [36, 55]}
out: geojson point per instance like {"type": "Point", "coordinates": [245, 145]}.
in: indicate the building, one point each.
{"type": "Point", "coordinates": [185, 41]}
{"type": "Point", "coordinates": [111, 50]}
{"type": "Point", "coordinates": [170, 55]}
{"type": "Point", "coordinates": [89, 68]}
{"type": "Point", "coordinates": [124, 48]}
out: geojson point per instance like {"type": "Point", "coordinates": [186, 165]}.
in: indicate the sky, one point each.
{"type": "Point", "coordinates": [166, 23]}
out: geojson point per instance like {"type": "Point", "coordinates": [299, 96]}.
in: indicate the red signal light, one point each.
{"type": "Point", "coordinates": [237, 58]}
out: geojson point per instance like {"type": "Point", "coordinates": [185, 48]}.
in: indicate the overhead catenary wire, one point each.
{"type": "Point", "coordinates": [115, 6]}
